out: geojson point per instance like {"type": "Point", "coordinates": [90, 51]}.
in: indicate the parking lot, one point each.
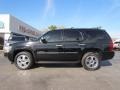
{"type": "Point", "coordinates": [60, 77]}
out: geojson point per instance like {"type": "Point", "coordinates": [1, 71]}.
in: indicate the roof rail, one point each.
{"type": "Point", "coordinates": [97, 27]}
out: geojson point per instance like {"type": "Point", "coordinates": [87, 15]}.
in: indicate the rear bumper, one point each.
{"type": "Point", "coordinates": [107, 55]}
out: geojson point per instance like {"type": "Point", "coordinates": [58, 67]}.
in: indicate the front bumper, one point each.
{"type": "Point", "coordinates": [9, 55]}
{"type": "Point", "coordinates": [6, 54]}
{"type": "Point", "coordinates": [107, 55]}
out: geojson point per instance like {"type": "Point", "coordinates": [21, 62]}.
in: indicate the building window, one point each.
{"type": "Point", "coordinates": [1, 25]}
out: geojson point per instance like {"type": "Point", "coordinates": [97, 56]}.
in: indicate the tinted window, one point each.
{"type": "Point", "coordinates": [70, 35]}
{"type": "Point", "coordinates": [94, 34]}
{"type": "Point", "coordinates": [117, 42]}
{"type": "Point", "coordinates": [1, 25]}
{"type": "Point", "coordinates": [17, 39]}
{"type": "Point", "coordinates": [53, 36]}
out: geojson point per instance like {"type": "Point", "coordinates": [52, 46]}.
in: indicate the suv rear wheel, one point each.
{"type": "Point", "coordinates": [23, 60]}
{"type": "Point", "coordinates": [91, 61]}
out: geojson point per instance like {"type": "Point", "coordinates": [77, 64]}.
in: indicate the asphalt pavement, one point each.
{"type": "Point", "coordinates": [60, 76]}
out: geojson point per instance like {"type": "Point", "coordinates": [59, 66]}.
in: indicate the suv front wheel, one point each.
{"type": "Point", "coordinates": [91, 61]}
{"type": "Point", "coordinates": [23, 60]}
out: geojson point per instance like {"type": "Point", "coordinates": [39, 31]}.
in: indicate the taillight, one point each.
{"type": "Point", "coordinates": [111, 46]}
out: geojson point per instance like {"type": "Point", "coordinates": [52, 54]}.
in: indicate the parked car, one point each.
{"type": "Point", "coordinates": [86, 46]}
{"type": "Point", "coordinates": [13, 39]}
{"type": "Point", "coordinates": [116, 45]}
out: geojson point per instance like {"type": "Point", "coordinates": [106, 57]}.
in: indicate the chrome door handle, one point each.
{"type": "Point", "coordinates": [81, 44]}
{"type": "Point", "coordinates": [59, 45]}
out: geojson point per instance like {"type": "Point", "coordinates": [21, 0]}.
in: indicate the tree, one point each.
{"type": "Point", "coordinates": [52, 27]}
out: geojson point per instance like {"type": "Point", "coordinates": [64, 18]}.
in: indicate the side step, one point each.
{"type": "Point", "coordinates": [59, 62]}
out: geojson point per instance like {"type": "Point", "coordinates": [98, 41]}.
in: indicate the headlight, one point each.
{"type": "Point", "coordinates": [7, 48]}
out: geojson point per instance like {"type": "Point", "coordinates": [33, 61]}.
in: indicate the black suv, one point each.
{"type": "Point", "coordinates": [86, 46]}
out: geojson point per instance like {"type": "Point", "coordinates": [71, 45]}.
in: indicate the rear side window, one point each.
{"type": "Point", "coordinates": [72, 35]}
{"type": "Point", "coordinates": [53, 36]}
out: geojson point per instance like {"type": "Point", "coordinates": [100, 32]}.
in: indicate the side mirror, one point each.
{"type": "Point", "coordinates": [44, 40]}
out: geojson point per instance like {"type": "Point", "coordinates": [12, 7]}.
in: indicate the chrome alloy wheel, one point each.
{"type": "Point", "coordinates": [23, 61]}
{"type": "Point", "coordinates": [92, 62]}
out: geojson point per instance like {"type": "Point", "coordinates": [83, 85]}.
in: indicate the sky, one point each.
{"type": "Point", "coordinates": [68, 13]}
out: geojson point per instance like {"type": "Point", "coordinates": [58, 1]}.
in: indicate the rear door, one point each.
{"type": "Point", "coordinates": [72, 44]}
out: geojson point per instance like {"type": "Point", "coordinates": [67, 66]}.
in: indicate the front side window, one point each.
{"type": "Point", "coordinates": [17, 38]}
{"type": "Point", "coordinates": [53, 36]}
{"type": "Point", "coordinates": [70, 35]}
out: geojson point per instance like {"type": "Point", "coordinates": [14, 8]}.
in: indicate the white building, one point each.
{"type": "Point", "coordinates": [10, 26]}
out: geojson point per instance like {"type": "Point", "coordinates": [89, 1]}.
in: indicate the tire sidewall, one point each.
{"type": "Point", "coordinates": [30, 58]}
{"type": "Point", "coordinates": [91, 54]}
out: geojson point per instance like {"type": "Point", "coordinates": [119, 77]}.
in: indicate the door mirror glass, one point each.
{"type": "Point", "coordinates": [43, 40]}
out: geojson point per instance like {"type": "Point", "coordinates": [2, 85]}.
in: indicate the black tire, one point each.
{"type": "Point", "coordinates": [27, 60]}
{"type": "Point", "coordinates": [96, 63]}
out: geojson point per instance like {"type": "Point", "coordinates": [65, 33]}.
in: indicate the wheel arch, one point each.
{"type": "Point", "coordinates": [23, 50]}
{"type": "Point", "coordinates": [97, 50]}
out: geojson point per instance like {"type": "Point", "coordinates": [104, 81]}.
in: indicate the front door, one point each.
{"type": "Point", "coordinates": [50, 50]}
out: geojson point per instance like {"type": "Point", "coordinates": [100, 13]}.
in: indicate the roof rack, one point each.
{"type": "Point", "coordinates": [97, 27]}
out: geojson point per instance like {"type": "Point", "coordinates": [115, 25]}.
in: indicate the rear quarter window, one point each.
{"type": "Point", "coordinates": [98, 35]}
